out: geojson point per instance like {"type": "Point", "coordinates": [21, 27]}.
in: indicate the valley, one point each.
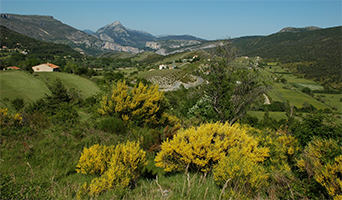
{"type": "Point", "coordinates": [123, 114]}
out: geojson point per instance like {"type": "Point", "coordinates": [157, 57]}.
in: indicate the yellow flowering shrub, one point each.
{"type": "Point", "coordinates": [199, 148]}
{"type": "Point", "coordinates": [322, 159]}
{"type": "Point", "coordinates": [124, 169]}
{"type": "Point", "coordinates": [143, 106]}
{"type": "Point", "coordinates": [95, 159]}
{"type": "Point", "coordinates": [245, 176]}
{"type": "Point", "coordinates": [8, 120]}
{"type": "Point", "coordinates": [283, 147]}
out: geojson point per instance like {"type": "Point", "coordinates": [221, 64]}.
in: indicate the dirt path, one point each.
{"type": "Point", "coordinates": [267, 100]}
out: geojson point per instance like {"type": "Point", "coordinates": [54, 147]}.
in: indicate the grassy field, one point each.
{"type": "Point", "coordinates": [128, 70]}
{"type": "Point", "coordinates": [279, 93]}
{"type": "Point", "coordinates": [19, 84]}
{"type": "Point", "coordinates": [16, 84]}
{"type": "Point", "coordinates": [260, 114]}
{"type": "Point", "coordinates": [85, 86]}
{"type": "Point", "coordinates": [147, 74]}
{"type": "Point", "coordinates": [333, 100]}
{"type": "Point", "coordinates": [291, 91]}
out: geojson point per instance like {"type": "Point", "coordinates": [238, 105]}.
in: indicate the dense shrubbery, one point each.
{"type": "Point", "coordinates": [112, 125]}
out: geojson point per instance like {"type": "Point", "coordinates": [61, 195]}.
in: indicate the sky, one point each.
{"type": "Point", "coordinates": [207, 19]}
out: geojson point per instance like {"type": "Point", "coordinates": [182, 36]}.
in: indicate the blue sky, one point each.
{"type": "Point", "coordinates": [208, 19]}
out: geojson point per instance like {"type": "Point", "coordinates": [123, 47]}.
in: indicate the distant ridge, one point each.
{"type": "Point", "coordinates": [90, 32]}
{"type": "Point", "coordinates": [296, 30]}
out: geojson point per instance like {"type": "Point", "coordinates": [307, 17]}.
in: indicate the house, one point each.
{"type": "Point", "coordinates": [13, 67]}
{"type": "Point", "coordinates": [162, 67]}
{"type": "Point", "coordinates": [46, 67]}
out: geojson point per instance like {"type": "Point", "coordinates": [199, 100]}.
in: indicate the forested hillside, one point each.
{"type": "Point", "coordinates": [33, 51]}
{"type": "Point", "coordinates": [314, 54]}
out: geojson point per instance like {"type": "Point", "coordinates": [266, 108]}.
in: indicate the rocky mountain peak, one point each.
{"type": "Point", "coordinates": [116, 23]}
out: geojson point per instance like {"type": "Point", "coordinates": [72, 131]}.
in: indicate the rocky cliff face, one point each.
{"type": "Point", "coordinates": [116, 47]}
{"type": "Point", "coordinates": [116, 32]}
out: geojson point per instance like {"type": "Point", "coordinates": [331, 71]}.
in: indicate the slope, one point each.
{"type": "Point", "coordinates": [321, 48]}
{"type": "Point", "coordinates": [48, 29]}
{"type": "Point", "coordinates": [36, 48]}
{"type": "Point", "coordinates": [18, 84]}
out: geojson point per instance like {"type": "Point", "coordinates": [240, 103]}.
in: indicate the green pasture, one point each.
{"type": "Point", "coordinates": [19, 84]}
{"type": "Point", "coordinates": [260, 114]}
{"type": "Point", "coordinates": [157, 72]}
{"type": "Point", "coordinates": [128, 70]}
{"type": "Point", "coordinates": [85, 86]}
{"type": "Point", "coordinates": [332, 100]}
{"type": "Point", "coordinates": [291, 91]}
{"type": "Point", "coordinates": [272, 63]}
{"type": "Point", "coordinates": [279, 93]}
{"type": "Point", "coordinates": [298, 82]}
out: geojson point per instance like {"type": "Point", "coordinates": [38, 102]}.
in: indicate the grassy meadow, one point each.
{"type": "Point", "coordinates": [19, 84]}
{"type": "Point", "coordinates": [291, 90]}
{"type": "Point", "coordinates": [85, 86]}
{"type": "Point", "coordinates": [276, 115]}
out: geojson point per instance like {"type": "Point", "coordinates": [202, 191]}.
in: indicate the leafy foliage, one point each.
{"type": "Point", "coordinates": [112, 125]}
{"type": "Point", "coordinates": [316, 125]}
{"type": "Point", "coordinates": [232, 89]}
{"type": "Point", "coordinates": [18, 104]}
{"type": "Point", "coordinates": [322, 160]}
{"type": "Point", "coordinates": [244, 177]}
{"type": "Point", "coordinates": [7, 120]}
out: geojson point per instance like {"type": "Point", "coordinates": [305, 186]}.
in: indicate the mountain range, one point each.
{"type": "Point", "coordinates": [116, 37]}
{"type": "Point", "coordinates": [112, 37]}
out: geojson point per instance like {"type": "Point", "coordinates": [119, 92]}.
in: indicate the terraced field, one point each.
{"type": "Point", "coordinates": [291, 91]}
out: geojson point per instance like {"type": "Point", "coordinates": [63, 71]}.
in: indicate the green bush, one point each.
{"type": "Point", "coordinates": [112, 125]}
{"type": "Point", "coordinates": [18, 104]}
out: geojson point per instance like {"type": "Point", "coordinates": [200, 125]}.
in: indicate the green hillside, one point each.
{"type": "Point", "coordinates": [18, 84]}
{"type": "Point", "coordinates": [315, 54]}
{"type": "Point", "coordinates": [15, 84]}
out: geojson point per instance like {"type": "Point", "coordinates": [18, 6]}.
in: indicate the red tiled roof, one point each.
{"type": "Point", "coordinates": [52, 65]}
{"type": "Point", "coordinates": [14, 67]}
